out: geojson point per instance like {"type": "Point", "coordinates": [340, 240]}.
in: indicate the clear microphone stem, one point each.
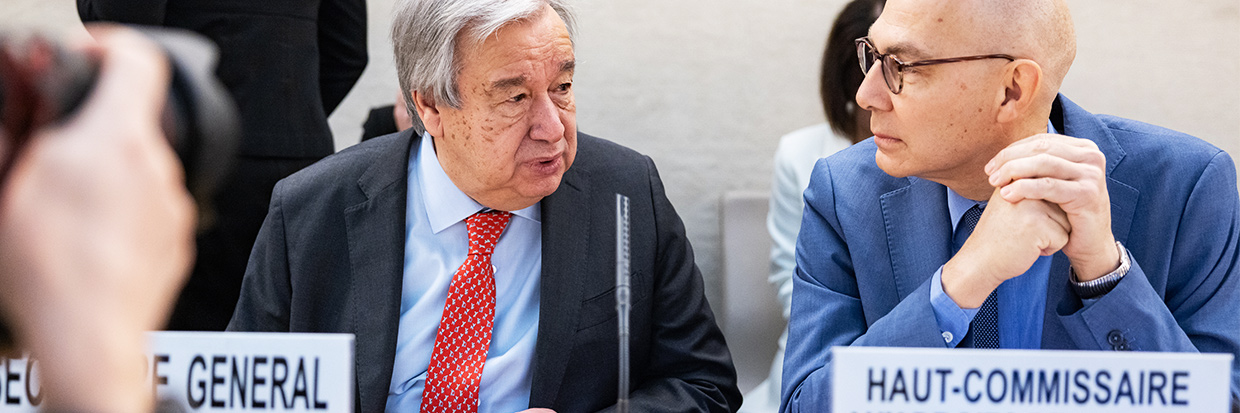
{"type": "Point", "coordinates": [622, 298]}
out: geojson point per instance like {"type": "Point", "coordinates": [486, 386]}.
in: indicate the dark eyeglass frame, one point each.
{"type": "Point", "coordinates": [893, 68]}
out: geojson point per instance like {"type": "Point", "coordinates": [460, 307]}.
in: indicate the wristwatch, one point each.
{"type": "Point", "coordinates": [1099, 286]}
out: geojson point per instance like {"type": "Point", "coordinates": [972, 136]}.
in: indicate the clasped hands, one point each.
{"type": "Point", "coordinates": [1050, 195]}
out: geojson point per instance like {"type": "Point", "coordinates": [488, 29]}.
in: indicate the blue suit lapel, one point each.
{"type": "Point", "coordinates": [1077, 122]}
{"type": "Point", "coordinates": [918, 233]}
{"type": "Point", "coordinates": [1074, 121]}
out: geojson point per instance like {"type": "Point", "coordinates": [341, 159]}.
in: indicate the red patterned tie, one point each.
{"type": "Point", "coordinates": [465, 331]}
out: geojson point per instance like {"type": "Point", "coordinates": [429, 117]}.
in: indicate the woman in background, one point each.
{"type": "Point", "coordinates": [795, 157]}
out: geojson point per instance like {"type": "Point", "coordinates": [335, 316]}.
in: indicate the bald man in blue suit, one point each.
{"type": "Point", "coordinates": [1094, 233]}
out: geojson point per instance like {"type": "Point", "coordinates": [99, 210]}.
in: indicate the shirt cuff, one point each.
{"type": "Point", "coordinates": [953, 320]}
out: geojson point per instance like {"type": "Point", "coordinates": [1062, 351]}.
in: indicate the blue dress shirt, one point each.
{"type": "Point", "coordinates": [1022, 300]}
{"type": "Point", "coordinates": [436, 243]}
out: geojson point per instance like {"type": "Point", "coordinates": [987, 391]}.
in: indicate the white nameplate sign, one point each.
{"type": "Point", "coordinates": [908, 380]}
{"type": "Point", "coordinates": [236, 372]}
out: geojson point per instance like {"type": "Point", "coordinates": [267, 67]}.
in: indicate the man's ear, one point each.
{"type": "Point", "coordinates": [1021, 83]}
{"type": "Point", "coordinates": [427, 111]}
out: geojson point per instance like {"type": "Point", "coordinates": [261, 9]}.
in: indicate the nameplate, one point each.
{"type": "Point", "coordinates": [908, 380]}
{"type": "Point", "coordinates": [235, 372]}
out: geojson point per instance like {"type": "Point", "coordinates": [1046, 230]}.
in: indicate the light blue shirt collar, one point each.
{"type": "Point", "coordinates": [451, 205]}
{"type": "Point", "coordinates": [957, 205]}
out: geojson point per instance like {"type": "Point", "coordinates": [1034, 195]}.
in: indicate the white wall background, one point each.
{"type": "Point", "coordinates": [706, 87]}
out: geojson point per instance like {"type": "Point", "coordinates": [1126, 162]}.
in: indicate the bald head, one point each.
{"type": "Point", "coordinates": [1038, 30]}
{"type": "Point", "coordinates": [952, 116]}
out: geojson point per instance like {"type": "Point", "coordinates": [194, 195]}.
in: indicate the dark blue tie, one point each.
{"type": "Point", "coordinates": [984, 330]}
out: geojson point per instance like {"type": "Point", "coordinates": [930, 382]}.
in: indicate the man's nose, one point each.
{"type": "Point", "coordinates": [873, 94]}
{"type": "Point", "coordinates": [545, 121]}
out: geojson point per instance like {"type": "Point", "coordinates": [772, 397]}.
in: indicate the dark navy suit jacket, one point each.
{"type": "Point", "coordinates": [329, 259]}
{"type": "Point", "coordinates": [869, 244]}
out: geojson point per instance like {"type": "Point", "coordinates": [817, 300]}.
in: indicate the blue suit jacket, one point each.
{"type": "Point", "coordinates": [870, 243]}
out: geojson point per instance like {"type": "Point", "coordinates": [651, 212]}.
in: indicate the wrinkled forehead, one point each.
{"type": "Point", "coordinates": [927, 29]}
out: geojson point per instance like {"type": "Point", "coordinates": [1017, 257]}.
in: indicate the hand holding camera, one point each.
{"type": "Point", "coordinates": [96, 225]}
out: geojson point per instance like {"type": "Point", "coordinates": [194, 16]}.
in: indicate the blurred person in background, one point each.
{"type": "Point", "coordinates": [287, 64]}
{"type": "Point", "coordinates": [97, 234]}
{"type": "Point", "coordinates": [794, 159]}
{"type": "Point", "coordinates": [387, 119]}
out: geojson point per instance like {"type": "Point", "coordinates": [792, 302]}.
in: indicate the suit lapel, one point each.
{"type": "Point", "coordinates": [1079, 123]}
{"type": "Point", "coordinates": [565, 231]}
{"type": "Point", "coordinates": [1074, 121]}
{"type": "Point", "coordinates": [918, 233]}
{"type": "Point", "coordinates": [376, 236]}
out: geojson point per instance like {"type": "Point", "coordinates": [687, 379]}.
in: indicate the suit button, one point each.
{"type": "Point", "coordinates": [1121, 347]}
{"type": "Point", "coordinates": [1115, 338]}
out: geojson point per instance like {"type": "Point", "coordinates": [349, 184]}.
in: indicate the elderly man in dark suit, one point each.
{"type": "Point", "coordinates": [475, 262]}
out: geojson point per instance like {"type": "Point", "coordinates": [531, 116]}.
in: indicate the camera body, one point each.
{"type": "Point", "coordinates": [42, 83]}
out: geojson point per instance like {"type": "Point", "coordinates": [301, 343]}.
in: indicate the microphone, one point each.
{"type": "Point", "coordinates": [622, 298]}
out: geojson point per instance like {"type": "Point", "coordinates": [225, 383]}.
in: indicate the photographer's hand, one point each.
{"type": "Point", "coordinates": [96, 235]}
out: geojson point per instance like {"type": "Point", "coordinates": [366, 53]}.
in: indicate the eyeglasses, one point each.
{"type": "Point", "coordinates": [893, 69]}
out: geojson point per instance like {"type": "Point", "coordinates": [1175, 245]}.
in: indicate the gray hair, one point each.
{"type": "Point", "coordinates": [425, 34]}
